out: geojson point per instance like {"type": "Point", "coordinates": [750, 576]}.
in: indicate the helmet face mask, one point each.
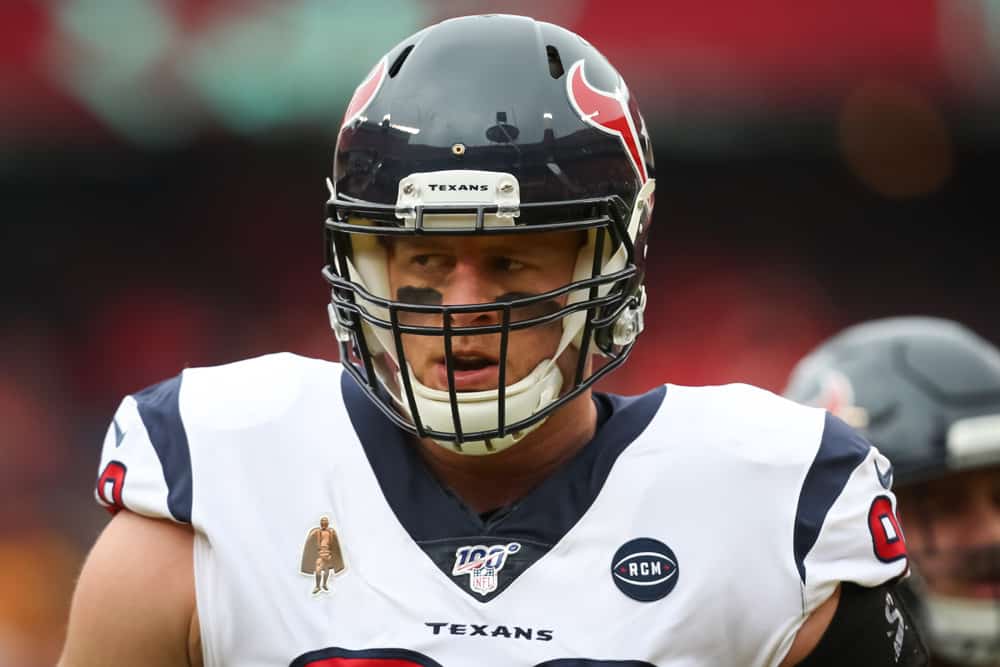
{"type": "Point", "coordinates": [514, 154]}
{"type": "Point", "coordinates": [589, 309]}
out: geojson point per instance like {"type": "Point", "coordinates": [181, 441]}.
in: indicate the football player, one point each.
{"type": "Point", "coordinates": [486, 242]}
{"type": "Point", "coordinates": [927, 392]}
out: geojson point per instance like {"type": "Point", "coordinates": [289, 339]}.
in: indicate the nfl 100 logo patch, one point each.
{"type": "Point", "coordinates": [483, 564]}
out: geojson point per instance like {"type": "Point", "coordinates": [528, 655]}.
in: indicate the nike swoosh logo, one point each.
{"type": "Point", "coordinates": [885, 479]}
{"type": "Point", "coordinates": [119, 434]}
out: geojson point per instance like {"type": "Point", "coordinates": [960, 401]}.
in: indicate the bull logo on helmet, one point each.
{"type": "Point", "coordinates": [836, 395]}
{"type": "Point", "coordinates": [608, 112]}
{"type": "Point", "coordinates": [365, 92]}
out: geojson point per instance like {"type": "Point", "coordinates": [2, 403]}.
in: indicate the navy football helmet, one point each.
{"type": "Point", "coordinates": [926, 392]}
{"type": "Point", "coordinates": [487, 125]}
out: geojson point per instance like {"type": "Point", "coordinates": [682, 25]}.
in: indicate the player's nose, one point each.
{"type": "Point", "coordinates": [470, 283]}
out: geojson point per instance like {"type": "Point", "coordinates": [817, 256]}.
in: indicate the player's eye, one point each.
{"type": "Point", "coordinates": [944, 508]}
{"type": "Point", "coordinates": [432, 261]}
{"type": "Point", "coordinates": [507, 264]}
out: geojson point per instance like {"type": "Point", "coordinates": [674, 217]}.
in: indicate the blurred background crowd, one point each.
{"type": "Point", "coordinates": [161, 183]}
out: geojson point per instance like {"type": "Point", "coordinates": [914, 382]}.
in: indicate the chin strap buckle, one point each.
{"type": "Point", "coordinates": [630, 323]}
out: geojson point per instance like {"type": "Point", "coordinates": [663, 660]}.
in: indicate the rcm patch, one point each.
{"type": "Point", "coordinates": [645, 569]}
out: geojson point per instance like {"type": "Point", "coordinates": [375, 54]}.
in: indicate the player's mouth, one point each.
{"type": "Point", "coordinates": [971, 573]}
{"type": "Point", "coordinates": [473, 372]}
{"type": "Point", "coordinates": [982, 579]}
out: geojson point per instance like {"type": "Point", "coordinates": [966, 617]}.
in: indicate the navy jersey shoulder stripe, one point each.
{"type": "Point", "coordinates": [159, 408]}
{"type": "Point", "coordinates": [840, 452]}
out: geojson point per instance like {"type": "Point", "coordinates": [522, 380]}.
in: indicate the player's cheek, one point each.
{"type": "Point", "coordinates": [530, 346]}
{"type": "Point", "coordinates": [420, 350]}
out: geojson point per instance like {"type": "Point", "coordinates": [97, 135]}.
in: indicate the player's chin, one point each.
{"type": "Point", "coordinates": [969, 589]}
{"type": "Point", "coordinates": [983, 589]}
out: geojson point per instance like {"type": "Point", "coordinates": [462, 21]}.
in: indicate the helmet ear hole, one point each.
{"type": "Point", "coordinates": [397, 64]}
{"type": "Point", "coordinates": [556, 68]}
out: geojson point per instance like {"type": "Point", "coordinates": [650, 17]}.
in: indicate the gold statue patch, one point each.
{"type": "Point", "coordinates": [321, 555]}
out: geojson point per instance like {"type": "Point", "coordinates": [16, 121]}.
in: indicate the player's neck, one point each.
{"type": "Point", "coordinates": [488, 482]}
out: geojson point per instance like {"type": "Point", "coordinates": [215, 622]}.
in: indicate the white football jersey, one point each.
{"type": "Point", "coordinates": [700, 527]}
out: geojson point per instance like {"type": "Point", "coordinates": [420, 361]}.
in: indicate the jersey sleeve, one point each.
{"type": "Point", "coordinates": [845, 525]}
{"type": "Point", "coordinates": [145, 464]}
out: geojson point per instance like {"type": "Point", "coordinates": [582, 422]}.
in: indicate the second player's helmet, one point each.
{"type": "Point", "coordinates": [926, 391]}
{"type": "Point", "coordinates": [488, 125]}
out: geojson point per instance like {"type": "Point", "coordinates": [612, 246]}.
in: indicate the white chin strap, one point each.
{"type": "Point", "coordinates": [478, 409]}
{"type": "Point", "coordinates": [964, 630]}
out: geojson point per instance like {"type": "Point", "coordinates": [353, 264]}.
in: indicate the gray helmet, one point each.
{"type": "Point", "coordinates": [925, 391]}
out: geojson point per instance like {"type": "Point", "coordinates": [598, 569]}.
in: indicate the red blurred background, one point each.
{"type": "Point", "coordinates": [161, 177]}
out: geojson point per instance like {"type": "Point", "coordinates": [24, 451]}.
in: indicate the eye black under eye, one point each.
{"type": "Point", "coordinates": [419, 295]}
